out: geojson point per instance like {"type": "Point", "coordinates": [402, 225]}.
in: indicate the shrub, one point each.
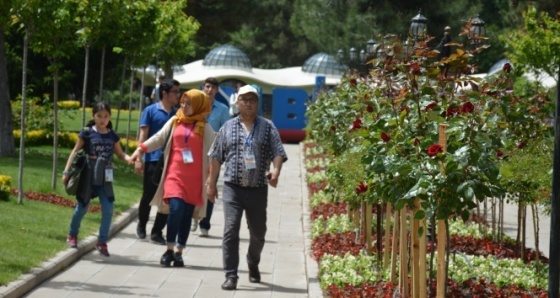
{"type": "Point", "coordinates": [39, 113]}
{"type": "Point", "coordinates": [69, 105]}
{"type": "Point", "coordinates": [5, 187]}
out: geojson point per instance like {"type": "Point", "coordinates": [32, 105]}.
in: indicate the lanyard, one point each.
{"type": "Point", "coordinates": [249, 137]}
{"type": "Point", "coordinates": [189, 134]}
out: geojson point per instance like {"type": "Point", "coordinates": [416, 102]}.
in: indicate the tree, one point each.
{"type": "Point", "coordinates": [7, 146]}
{"type": "Point", "coordinates": [536, 47]}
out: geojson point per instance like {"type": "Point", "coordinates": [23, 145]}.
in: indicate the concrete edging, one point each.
{"type": "Point", "coordinates": [63, 259]}
{"type": "Point", "coordinates": [311, 266]}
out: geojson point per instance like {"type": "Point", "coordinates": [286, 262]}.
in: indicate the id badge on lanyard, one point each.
{"type": "Point", "coordinates": [108, 174]}
{"type": "Point", "coordinates": [249, 158]}
{"type": "Point", "coordinates": [187, 153]}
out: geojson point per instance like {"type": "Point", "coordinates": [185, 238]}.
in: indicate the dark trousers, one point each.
{"type": "Point", "coordinates": [205, 222]}
{"type": "Point", "coordinates": [148, 192]}
{"type": "Point", "coordinates": [253, 201]}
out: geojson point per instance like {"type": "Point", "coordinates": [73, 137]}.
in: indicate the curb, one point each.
{"type": "Point", "coordinates": [311, 266]}
{"type": "Point", "coordinates": [63, 259]}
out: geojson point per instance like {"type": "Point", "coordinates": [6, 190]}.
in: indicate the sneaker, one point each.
{"type": "Point", "coordinates": [167, 258]}
{"type": "Point", "coordinates": [72, 241]}
{"type": "Point", "coordinates": [203, 232]}
{"type": "Point", "coordinates": [102, 248]}
{"type": "Point", "coordinates": [178, 257]}
{"type": "Point", "coordinates": [194, 224]}
{"type": "Point", "coordinates": [141, 232]}
{"type": "Point", "coordinates": [158, 239]}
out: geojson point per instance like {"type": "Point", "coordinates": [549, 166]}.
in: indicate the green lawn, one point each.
{"type": "Point", "coordinates": [72, 121]}
{"type": "Point", "coordinates": [36, 231]}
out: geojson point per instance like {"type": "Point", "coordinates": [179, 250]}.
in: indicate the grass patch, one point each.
{"type": "Point", "coordinates": [72, 121]}
{"type": "Point", "coordinates": [35, 231]}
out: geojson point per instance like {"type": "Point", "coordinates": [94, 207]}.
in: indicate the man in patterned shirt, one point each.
{"type": "Point", "coordinates": [247, 144]}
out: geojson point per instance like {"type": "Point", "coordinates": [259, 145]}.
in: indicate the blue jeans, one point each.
{"type": "Point", "coordinates": [179, 221]}
{"type": "Point", "coordinates": [106, 216]}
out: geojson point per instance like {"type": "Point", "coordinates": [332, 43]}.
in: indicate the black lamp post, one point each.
{"type": "Point", "coordinates": [355, 60]}
{"type": "Point", "coordinates": [477, 30]}
{"type": "Point", "coordinates": [418, 27]}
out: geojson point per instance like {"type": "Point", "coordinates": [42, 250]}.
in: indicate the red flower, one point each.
{"type": "Point", "coordinates": [467, 107]}
{"type": "Point", "coordinates": [385, 137]}
{"type": "Point", "coordinates": [521, 145]}
{"type": "Point", "coordinates": [357, 124]}
{"type": "Point", "coordinates": [416, 142]}
{"type": "Point", "coordinates": [431, 106]}
{"type": "Point", "coordinates": [369, 108]}
{"type": "Point", "coordinates": [434, 149]}
{"type": "Point", "coordinates": [333, 128]}
{"type": "Point", "coordinates": [450, 112]}
{"type": "Point", "coordinates": [507, 68]}
{"type": "Point", "coordinates": [499, 153]}
{"type": "Point", "coordinates": [361, 188]}
{"type": "Point", "coordinates": [353, 82]}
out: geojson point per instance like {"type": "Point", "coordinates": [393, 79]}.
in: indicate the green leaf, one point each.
{"type": "Point", "coordinates": [420, 214]}
{"type": "Point", "coordinates": [465, 215]}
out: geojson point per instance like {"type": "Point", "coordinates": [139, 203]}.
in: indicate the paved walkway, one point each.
{"type": "Point", "coordinates": [134, 270]}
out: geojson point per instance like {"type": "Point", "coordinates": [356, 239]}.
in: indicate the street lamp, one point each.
{"type": "Point", "coordinates": [477, 30]}
{"type": "Point", "coordinates": [418, 26]}
{"type": "Point", "coordinates": [357, 60]}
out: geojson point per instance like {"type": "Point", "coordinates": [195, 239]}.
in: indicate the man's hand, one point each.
{"type": "Point", "coordinates": [211, 190]}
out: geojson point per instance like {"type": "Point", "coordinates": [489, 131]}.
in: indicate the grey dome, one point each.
{"type": "Point", "coordinates": [227, 56]}
{"type": "Point", "coordinates": [322, 63]}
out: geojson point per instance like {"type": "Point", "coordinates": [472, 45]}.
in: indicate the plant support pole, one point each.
{"type": "Point", "coordinates": [553, 273]}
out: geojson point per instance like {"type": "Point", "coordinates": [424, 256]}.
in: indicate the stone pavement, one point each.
{"type": "Point", "coordinates": [134, 270]}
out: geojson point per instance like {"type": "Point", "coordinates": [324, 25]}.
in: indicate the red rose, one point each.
{"type": "Point", "coordinates": [450, 112]}
{"type": "Point", "coordinates": [369, 108]}
{"type": "Point", "coordinates": [357, 124]}
{"type": "Point", "coordinates": [431, 106]}
{"type": "Point", "coordinates": [521, 145]}
{"type": "Point", "coordinates": [467, 107]}
{"type": "Point", "coordinates": [385, 137]}
{"type": "Point", "coordinates": [507, 68]}
{"type": "Point", "coordinates": [499, 153]}
{"type": "Point", "coordinates": [361, 188]}
{"type": "Point", "coordinates": [434, 150]}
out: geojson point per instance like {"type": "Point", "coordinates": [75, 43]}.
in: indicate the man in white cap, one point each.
{"type": "Point", "coordinates": [247, 144]}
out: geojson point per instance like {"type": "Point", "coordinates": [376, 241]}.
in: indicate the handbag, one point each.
{"type": "Point", "coordinates": [158, 170]}
{"type": "Point", "coordinates": [80, 164]}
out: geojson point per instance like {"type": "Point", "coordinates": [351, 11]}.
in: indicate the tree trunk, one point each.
{"type": "Point", "coordinates": [140, 103]}
{"type": "Point", "coordinates": [84, 87]}
{"type": "Point", "coordinates": [101, 73]}
{"type": "Point", "coordinates": [121, 95]}
{"type": "Point", "coordinates": [7, 146]}
{"type": "Point", "coordinates": [129, 110]}
{"type": "Point", "coordinates": [22, 124]}
{"type": "Point", "coordinates": [55, 133]}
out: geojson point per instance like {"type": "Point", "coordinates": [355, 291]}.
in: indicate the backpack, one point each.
{"type": "Point", "coordinates": [80, 164]}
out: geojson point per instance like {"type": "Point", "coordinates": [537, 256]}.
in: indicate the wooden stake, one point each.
{"type": "Point", "coordinates": [415, 252]}
{"type": "Point", "coordinates": [441, 229]}
{"type": "Point", "coordinates": [386, 243]}
{"type": "Point", "coordinates": [395, 246]}
{"type": "Point", "coordinates": [367, 231]}
{"type": "Point", "coordinates": [422, 290]}
{"type": "Point", "coordinates": [403, 254]}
